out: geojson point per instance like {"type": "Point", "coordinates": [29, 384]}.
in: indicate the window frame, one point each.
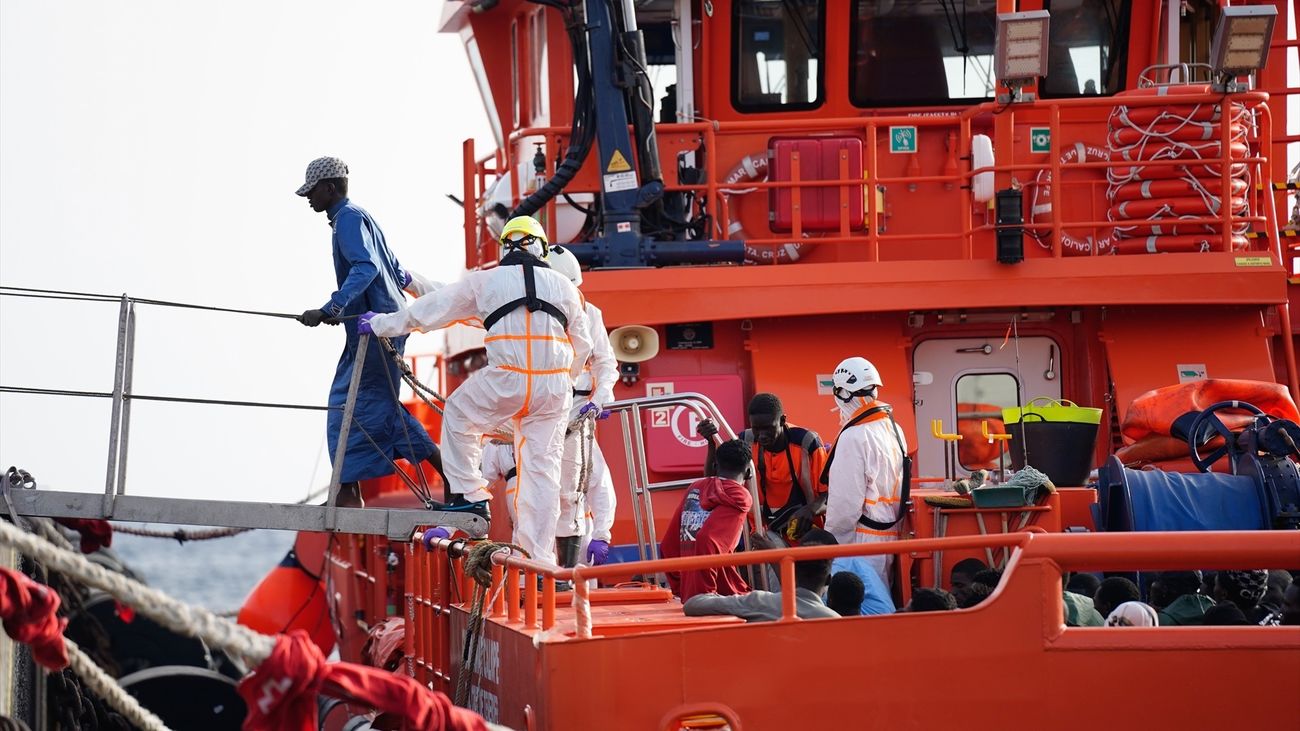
{"type": "Point", "coordinates": [1124, 40]}
{"type": "Point", "coordinates": [733, 68]}
{"type": "Point", "coordinates": [854, 20]}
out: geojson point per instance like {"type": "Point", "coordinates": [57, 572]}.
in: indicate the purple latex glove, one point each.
{"type": "Point", "coordinates": [406, 279]}
{"type": "Point", "coordinates": [587, 408]}
{"type": "Point", "coordinates": [597, 552]}
{"type": "Point", "coordinates": [434, 534]}
{"type": "Point", "coordinates": [604, 415]}
{"type": "Point", "coordinates": [363, 323]}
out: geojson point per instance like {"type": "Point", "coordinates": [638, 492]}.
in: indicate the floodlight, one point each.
{"type": "Point", "coordinates": [1242, 39]}
{"type": "Point", "coordinates": [1021, 54]}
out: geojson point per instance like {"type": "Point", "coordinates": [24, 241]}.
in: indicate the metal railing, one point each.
{"type": "Point", "coordinates": [630, 414]}
{"type": "Point", "coordinates": [715, 192]}
{"type": "Point", "coordinates": [114, 501]}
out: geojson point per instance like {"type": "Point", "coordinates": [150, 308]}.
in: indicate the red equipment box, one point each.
{"type": "Point", "coordinates": [820, 158]}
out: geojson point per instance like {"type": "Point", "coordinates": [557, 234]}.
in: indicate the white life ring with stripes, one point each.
{"type": "Point", "coordinates": [753, 169]}
{"type": "Point", "coordinates": [1040, 204]}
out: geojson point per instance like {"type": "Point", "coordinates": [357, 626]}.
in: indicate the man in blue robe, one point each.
{"type": "Point", "coordinates": [369, 279]}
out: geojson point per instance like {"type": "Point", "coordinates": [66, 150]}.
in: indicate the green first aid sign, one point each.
{"type": "Point", "coordinates": [1040, 139]}
{"type": "Point", "coordinates": [902, 139]}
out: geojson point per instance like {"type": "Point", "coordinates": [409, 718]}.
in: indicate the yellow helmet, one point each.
{"type": "Point", "coordinates": [521, 231]}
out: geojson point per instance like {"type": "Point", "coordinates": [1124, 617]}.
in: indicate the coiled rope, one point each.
{"type": "Point", "coordinates": [478, 566]}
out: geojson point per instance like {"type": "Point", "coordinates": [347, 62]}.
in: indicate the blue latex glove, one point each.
{"type": "Point", "coordinates": [406, 279]}
{"type": "Point", "coordinates": [604, 415]}
{"type": "Point", "coordinates": [363, 323]}
{"type": "Point", "coordinates": [597, 552]}
{"type": "Point", "coordinates": [434, 534]}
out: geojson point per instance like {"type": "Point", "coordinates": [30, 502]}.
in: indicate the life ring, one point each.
{"type": "Point", "coordinates": [1145, 116]}
{"type": "Point", "coordinates": [1040, 204]}
{"type": "Point", "coordinates": [1136, 211]}
{"type": "Point", "coordinates": [753, 169]}
{"type": "Point", "coordinates": [1175, 131]}
{"type": "Point", "coordinates": [1171, 188]}
{"type": "Point", "coordinates": [1181, 151]}
{"type": "Point", "coordinates": [1121, 175]}
{"type": "Point", "coordinates": [1174, 244]}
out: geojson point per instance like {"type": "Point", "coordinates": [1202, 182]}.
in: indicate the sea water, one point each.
{"type": "Point", "coordinates": [217, 574]}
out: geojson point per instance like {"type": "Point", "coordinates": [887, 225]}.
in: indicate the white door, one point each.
{"type": "Point", "coordinates": [966, 382]}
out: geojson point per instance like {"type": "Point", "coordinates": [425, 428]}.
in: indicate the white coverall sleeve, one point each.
{"type": "Point", "coordinates": [847, 488]}
{"type": "Point", "coordinates": [421, 286]}
{"type": "Point", "coordinates": [432, 311]}
{"type": "Point", "coordinates": [604, 367]}
{"type": "Point", "coordinates": [579, 333]}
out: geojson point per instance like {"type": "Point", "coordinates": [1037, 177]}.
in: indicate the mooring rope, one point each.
{"type": "Point", "coordinates": [104, 686]}
{"type": "Point", "coordinates": [171, 613]}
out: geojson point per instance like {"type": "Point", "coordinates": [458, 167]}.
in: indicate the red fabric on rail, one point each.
{"type": "Point", "coordinates": [29, 611]}
{"type": "Point", "coordinates": [95, 534]}
{"type": "Point", "coordinates": [281, 692]}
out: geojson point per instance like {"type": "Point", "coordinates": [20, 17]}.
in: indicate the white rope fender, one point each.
{"type": "Point", "coordinates": [104, 686]}
{"type": "Point", "coordinates": [171, 613]}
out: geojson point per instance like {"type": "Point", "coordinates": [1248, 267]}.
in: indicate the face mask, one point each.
{"type": "Point", "coordinates": [846, 409]}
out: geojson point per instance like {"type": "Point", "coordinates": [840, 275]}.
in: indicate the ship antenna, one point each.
{"type": "Point", "coordinates": [1014, 331]}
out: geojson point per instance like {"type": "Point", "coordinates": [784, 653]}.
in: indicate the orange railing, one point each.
{"type": "Point", "coordinates": [436, 581]}
{"type": "Point", "coordinates": [715, 189]}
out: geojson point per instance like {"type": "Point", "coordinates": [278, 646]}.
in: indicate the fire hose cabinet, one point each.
{"type": "Point", "coordinates": [817, 158]}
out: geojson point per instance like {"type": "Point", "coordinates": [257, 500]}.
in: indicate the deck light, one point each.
{"type": "Point", "coordinates": [1241, 42]}
{"type": "Point", "coordinates": [1021, 54]}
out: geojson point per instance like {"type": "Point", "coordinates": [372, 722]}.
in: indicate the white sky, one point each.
{"type": "Point", "coordinates": [153, 148]}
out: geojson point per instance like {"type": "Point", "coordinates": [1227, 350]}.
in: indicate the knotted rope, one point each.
{"type": "Point", "coordinates": [181, 535]}
{"type": "Point", "coordinates": [478, 566]}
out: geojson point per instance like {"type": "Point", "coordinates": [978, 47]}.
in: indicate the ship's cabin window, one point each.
{"type": "Point", "coordinates": [778, 54]}
{"type": "Point", "coordinates": [1086, 47]}
{"type": "Point", "coordinates": [661, 67]}
{"type": "Point", "coordinates": [980, 399]}
{"type": "Point", "coordinates": [540, 71]}
{"type": "Point", "coordinates": [922, 52]}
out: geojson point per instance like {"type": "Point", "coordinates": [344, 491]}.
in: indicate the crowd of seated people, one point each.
{"type": "Point", "coordinates": [715, 510]}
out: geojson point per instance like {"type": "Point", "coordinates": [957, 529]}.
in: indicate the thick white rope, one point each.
{"type": "Point", "coordinates": [50, 532]}
{"type": "Point", "coordinates": [172, 614]}
{"type": "Point", "coordinates": [102, 685]}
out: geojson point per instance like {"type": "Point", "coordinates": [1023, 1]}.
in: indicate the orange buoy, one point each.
{"type": "Point", "coordinates": [1154, 411]}
{"type": "Point", "coordinates": [290, 598]}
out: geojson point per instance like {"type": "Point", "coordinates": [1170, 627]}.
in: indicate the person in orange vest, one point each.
{"type": "Point", "coordinates": [868, 472]}
{"type": "Point", "coordinates": [787, 461]}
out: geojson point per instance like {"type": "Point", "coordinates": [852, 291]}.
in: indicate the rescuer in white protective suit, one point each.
{"type": "Point", "coordinates": [586, 510]}
{"type": "Point", "coordinates": [537, 342]}
{"type": "Point", "coordinates": [867, 471]}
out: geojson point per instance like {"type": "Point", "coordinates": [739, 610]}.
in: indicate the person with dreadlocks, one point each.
{"type": "Point", "coordinates": [537, 343]}
{"type": "Point", "coordinates": [369, 278]}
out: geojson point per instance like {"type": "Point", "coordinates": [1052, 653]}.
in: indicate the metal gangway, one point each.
{"type": "Point", "coordinates": [25, 498]}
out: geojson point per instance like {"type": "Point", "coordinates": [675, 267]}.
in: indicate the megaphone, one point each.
{"type": "Point", "coordinates": [634, 343]}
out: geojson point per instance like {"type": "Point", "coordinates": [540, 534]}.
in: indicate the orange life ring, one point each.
{"type": "Point", "coordinates": [1174, 244]}
{"type": "Point", "coordinates": [753, 169]}
{"type": "Point", "coordinates": [1175, 131]}
{"type": "Point", "coordinates": [1171, 188]}
{"type": "Point", "coordinates": [1137, 210]}
{"type": "Point", "coordinates": [1202, 171]}
{"type": "Point", "coordinates": [1182, 151]}
{"type": "Point", "coordinates": [1143, 116]}
{"type": "Point", "coordinates": [1040, 203]}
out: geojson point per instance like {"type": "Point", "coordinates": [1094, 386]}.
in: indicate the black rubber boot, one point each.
{"type": "Point", "coordinates": [566, 550]}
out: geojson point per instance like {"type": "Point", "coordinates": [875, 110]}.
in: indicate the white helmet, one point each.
{"type": "Point", "coordinates": [853, 376]}
{"type": "Point", "coordinates": [563, 261]}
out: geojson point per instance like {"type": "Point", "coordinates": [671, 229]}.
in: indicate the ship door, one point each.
{"type": "Point", "coordinates": [967, 381]}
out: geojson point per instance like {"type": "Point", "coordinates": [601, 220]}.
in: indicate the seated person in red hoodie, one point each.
{"type": "Point", "coordinates": [709, 521]}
